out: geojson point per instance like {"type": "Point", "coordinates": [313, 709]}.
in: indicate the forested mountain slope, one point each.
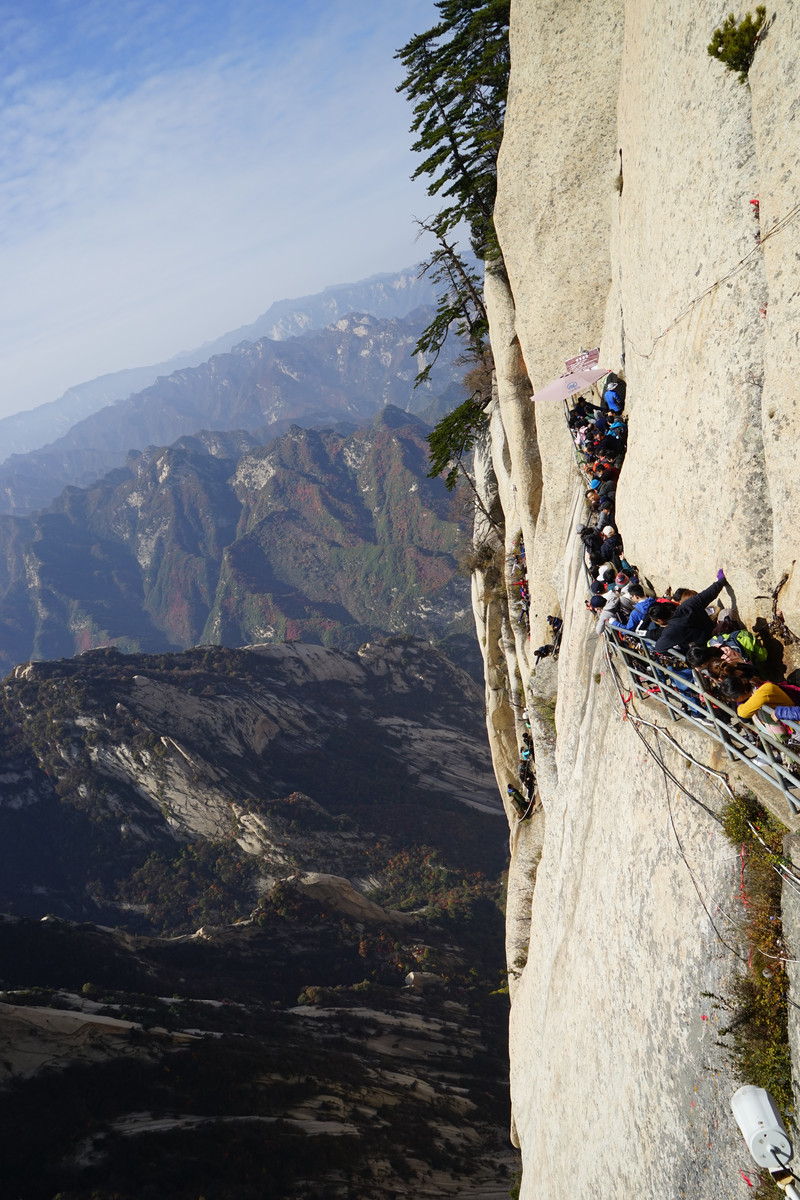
{"type": "Point", "coordinates": [280, 835]}
{"type": "Point", "coordinates": [346, 372]}
{"type": "Point", "coordinates": [330, 537]}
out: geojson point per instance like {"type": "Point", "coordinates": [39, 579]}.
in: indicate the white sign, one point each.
{"type": "Point", "coordinates": [586, 358]}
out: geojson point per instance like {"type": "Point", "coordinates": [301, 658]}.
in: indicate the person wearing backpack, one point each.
{"type": "Point", "coordinates": [592, 539]}
{"type": "Point", "coordinates": [639, 611]}
{"type": "Point", "coordinates": [618, 607]}
{"type": "Point", "coordinates": [752, 692]}
{"type": "Point", "coordinates": [743, 643]}
{"type": "Point", "coordinates": [612, 545]}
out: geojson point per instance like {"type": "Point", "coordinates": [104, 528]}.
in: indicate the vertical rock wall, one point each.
{"type": "Point", "coordinates": [776, 132]}
{"type": "Point", "coordinates": [618, 1085]}
{"type": "Point", "coordinates": [556, 175]}
{"type": "Point", "coordinates": [691, 284]}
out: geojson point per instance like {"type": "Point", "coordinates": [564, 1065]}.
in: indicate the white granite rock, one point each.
{"type": "Point", "coordinates": [618, 1085]}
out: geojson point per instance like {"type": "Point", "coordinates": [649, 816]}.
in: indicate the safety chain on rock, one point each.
{"type": "Point", "coordinates": [776, 228]}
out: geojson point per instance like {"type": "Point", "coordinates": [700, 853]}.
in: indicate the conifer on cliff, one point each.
{"type": "Point", "coordinates": [457, 80]}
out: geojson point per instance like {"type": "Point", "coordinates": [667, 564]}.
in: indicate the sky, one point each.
{"type": "Point", "coordinates": [169, 168]}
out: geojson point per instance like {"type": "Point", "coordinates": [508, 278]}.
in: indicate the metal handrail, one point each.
{"type": "Point", "coordinates": [654, 678]}
{"type": "Point", "coordinates": [691, 701]}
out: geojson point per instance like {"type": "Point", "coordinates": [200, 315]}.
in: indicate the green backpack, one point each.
{"type": "Point", "coordinates": [749, 643]}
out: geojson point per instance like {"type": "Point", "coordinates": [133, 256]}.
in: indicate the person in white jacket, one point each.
{"type": "Point", "coordinates": [619, 605]}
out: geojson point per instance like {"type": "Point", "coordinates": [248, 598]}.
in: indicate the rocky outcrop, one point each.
{"type": "Point", "coordinates": [287, 835]}
{"type": "Point", "coordinates": [295, 754]}
{"type": "Point", "coordinates": [336, 892]}
{"type": "Point", "coordinates": [625, 219]}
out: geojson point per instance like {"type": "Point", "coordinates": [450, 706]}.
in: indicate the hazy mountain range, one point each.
{"type": "Point", "coordinates": [347, 371]}
{"type": "Point", "coordinates": [386, 295]}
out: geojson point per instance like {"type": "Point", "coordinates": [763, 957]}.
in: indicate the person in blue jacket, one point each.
{"type": "Point", "coordinates": [639, 612]}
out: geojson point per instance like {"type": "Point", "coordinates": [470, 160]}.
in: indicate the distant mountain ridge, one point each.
{"type": "Point", "coordinates": [333, 537]}
{"type": "Point", "coordinates": [384, 295]}
{"type": "Point", "coordinates": [347, 371]}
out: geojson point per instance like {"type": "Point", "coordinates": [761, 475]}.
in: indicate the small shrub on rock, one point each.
{"type": "Point", "coordinates": [735, 44]}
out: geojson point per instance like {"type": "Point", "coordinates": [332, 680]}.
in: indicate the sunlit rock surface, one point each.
{"type": "Point", "coordinates": [629, 162]}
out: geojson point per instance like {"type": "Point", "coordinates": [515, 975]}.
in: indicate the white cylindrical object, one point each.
{"type": "Point", "coordinates": [762, 1127]}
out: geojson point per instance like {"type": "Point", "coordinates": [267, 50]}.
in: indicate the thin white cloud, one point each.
{"type": "Point", "coordinates": [149, 204]}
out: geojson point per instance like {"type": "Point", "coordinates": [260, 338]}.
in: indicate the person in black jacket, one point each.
{"type": "Point", "coordinates": [691, 623]}
{"type": "Point", "coordinates": [592, 538]}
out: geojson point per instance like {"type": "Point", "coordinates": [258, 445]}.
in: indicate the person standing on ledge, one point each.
{"type": "Point", "coordinates": [752, 692]}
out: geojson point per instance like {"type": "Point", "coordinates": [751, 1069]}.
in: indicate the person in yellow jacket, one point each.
{"type": "Point", "coordinates": [752, 692]}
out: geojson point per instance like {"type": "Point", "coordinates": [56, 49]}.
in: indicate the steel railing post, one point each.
{"type": "Point", "coordinates": [658, 682]}
{"type": "Point", "coordinates": [722, 732]}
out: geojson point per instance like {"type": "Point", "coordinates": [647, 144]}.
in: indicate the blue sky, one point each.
{"type": "Point", "coordinates": [168, 168]}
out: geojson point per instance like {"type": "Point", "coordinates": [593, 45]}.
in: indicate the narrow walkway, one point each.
{"type": "Point", "coordinates": [767, 746]}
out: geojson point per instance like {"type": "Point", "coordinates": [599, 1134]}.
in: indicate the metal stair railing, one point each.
{"type": "Point", "coordinates": [652, 677]}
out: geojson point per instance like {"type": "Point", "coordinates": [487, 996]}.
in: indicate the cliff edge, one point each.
{"type": "Point", "coordinates": [626, 180]}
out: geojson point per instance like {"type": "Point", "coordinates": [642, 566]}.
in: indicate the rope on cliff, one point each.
{"type": "Point", "coordinates": [668, 774]}
{"type": "Point", "coordinates": [777, 227]}
{"type": "Point", "coordinates": [635, 719]}
{"type": "Point", "coordinates": [528, 810]}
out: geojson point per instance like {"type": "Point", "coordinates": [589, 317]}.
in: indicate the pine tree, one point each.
{"type": "Point", "coordinates": [734, 43]}
{"type": "Point", "coordinates": [460, 306]}
{"type": "Point", "coordinates": [457, 80]}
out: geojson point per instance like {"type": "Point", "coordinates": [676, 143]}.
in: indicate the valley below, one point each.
{"type": "Point", "coordinates": [253, 941]}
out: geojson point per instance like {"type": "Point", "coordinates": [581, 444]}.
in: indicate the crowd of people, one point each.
{"type": "Point", "coordinates": [519, 582]}
{"type": "Point", "coordinates": [688, 627]}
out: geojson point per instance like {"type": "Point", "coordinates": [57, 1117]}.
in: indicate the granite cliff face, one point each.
{"type": "Point", "coordinates": [624, 214]}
